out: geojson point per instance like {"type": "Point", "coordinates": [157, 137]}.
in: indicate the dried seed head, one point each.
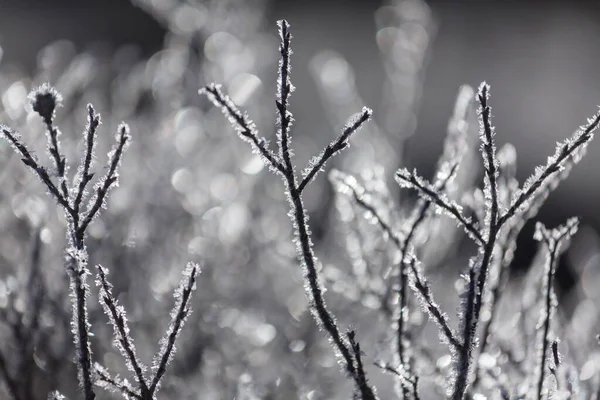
{"type": "Point", "coordinates": [44, 100]}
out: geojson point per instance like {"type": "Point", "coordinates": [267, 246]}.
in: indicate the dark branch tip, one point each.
{"type": "Point", "coordinates": [44, 100]}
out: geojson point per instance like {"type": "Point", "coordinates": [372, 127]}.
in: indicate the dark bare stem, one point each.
{"type": "Point", "coordinates": [316, 292]}
{"type": "Point", "coordinates": [284, 88]}
{"type": "Point", "coordinates": [363, 387]}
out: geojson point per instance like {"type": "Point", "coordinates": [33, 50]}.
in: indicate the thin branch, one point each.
{"type": "Point", "coordinates": [409, 382]}
{"type": "Point", "coordinates": [488, 150]}
{"type": "Point", "coordinates": [285, 168]}
{"type": "Point", "coordinates": [335, 147]}
{"type": "Point", "coordinates": [90, 140]}
{"type": "Point", "coordinates": [104, 379]}
{"type": "Point", "coordinates": [365, 390]}
{"type": "Point", "coordinates": [475, 293]}
{"type": "Point", "coordinates": [413, 181]}
{"type": "Point", "coordinates": [178, 316]}
{"type": "Point", "coordinates": [419, 215]}
{"type": "Point", "coordinates": [508, 252]}
{"type": "Point", "coordinates": [118, 320]}
{"type": "Point", "coordinates": [243, 125]}
{"type": "Point", "coordinates": [59, 159]}
{"type": "Point", "coordinates": [44, 100]}
{"type": "Point", "coordinates": [103, 186]}
{"type": "Point", "coordinates": [284, 89]}
{"type": "Point", "coordinates": [554, 241]}
{"type": "Point", "coordinates": [76, 260]}
{"type": "Point", "coordinates": [40, 171]}
{"type": "Point", "coordinates": [421, 286]}
{"type": "Point", "coordinates": [570, 149]}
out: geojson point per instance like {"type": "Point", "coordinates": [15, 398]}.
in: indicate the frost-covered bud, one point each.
{"type": "Point", "coordinates": [44, 101]}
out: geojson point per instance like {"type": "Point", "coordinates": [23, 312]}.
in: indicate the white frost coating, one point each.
{"type": "Point", "coordinates": [122, 339]}
{"type": "Point", "coordinates": [243, 125]}
{"type": "Point", "coordinates": [547, 177]}
{"type": "Point", "coordinates": [441, 201]}
{"type": "Point", "coordinates": [179, 315]}
{"type": "Point", "coordinates": [111, 178]}
{"type": "Point", "coordinates": [422, 289]}
{"type": "Point", "coordinates": [114, 384]}
{"type": "Point", "coordinates": [555, 242]}
{"type": "Point", "coordinates": [316, 164]}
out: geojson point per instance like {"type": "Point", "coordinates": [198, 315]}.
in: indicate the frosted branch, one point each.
{"type": "Point", "coordinates": [284, 89]}
{"type": "Point", "coordinates": [123, 138]}
{"type": "Point", "coordinates": [363, 387]}
{"type": "Point", "coordinates": [31, 161]}
{"type": "Point", "coordinates": [334, 147]}
{"type": "Point", "coordinates": [554, 241]}
{"type": "Point", "coordinates": [246, 130]}
{"type": "Point", "coordinates": [122, 338]}
{"type": "Point", "coordinates": [410, 180]}
{"type": "Point", "coordinates": [179, 315]}
{"type": "Point", "coordinates": [242, 124]}
{"type": "Point", "coordinates": [106, 381]}
{"type": "Point", "coordinates": [84, 176]}
{"type": "Point", "coordinates": [571, 149]}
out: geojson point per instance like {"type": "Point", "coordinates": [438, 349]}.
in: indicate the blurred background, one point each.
{"type": "Point", "coordinates": [194, 191]}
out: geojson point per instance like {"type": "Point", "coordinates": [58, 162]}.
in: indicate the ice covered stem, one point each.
{"type": "Point", "coordinates": [179, 315]}
{"type": "Point", "coordinates": [122, 337]}
{"type": "Point", "coordinates": [282, 165]}
{"type": "Point", "coordinates": [478, 276]}
{"type": "Point", "coordinates": [77, 269]}
{"type": "Point", "coordinates": [555, 242]}
{"type": "Point", "coordinates": [106, 381]}
{"type": "Point", "coordinates": [522, 206]}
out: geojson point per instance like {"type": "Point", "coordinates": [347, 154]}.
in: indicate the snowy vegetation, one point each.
{"type": "Point", "coordinates": [178, 189]}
